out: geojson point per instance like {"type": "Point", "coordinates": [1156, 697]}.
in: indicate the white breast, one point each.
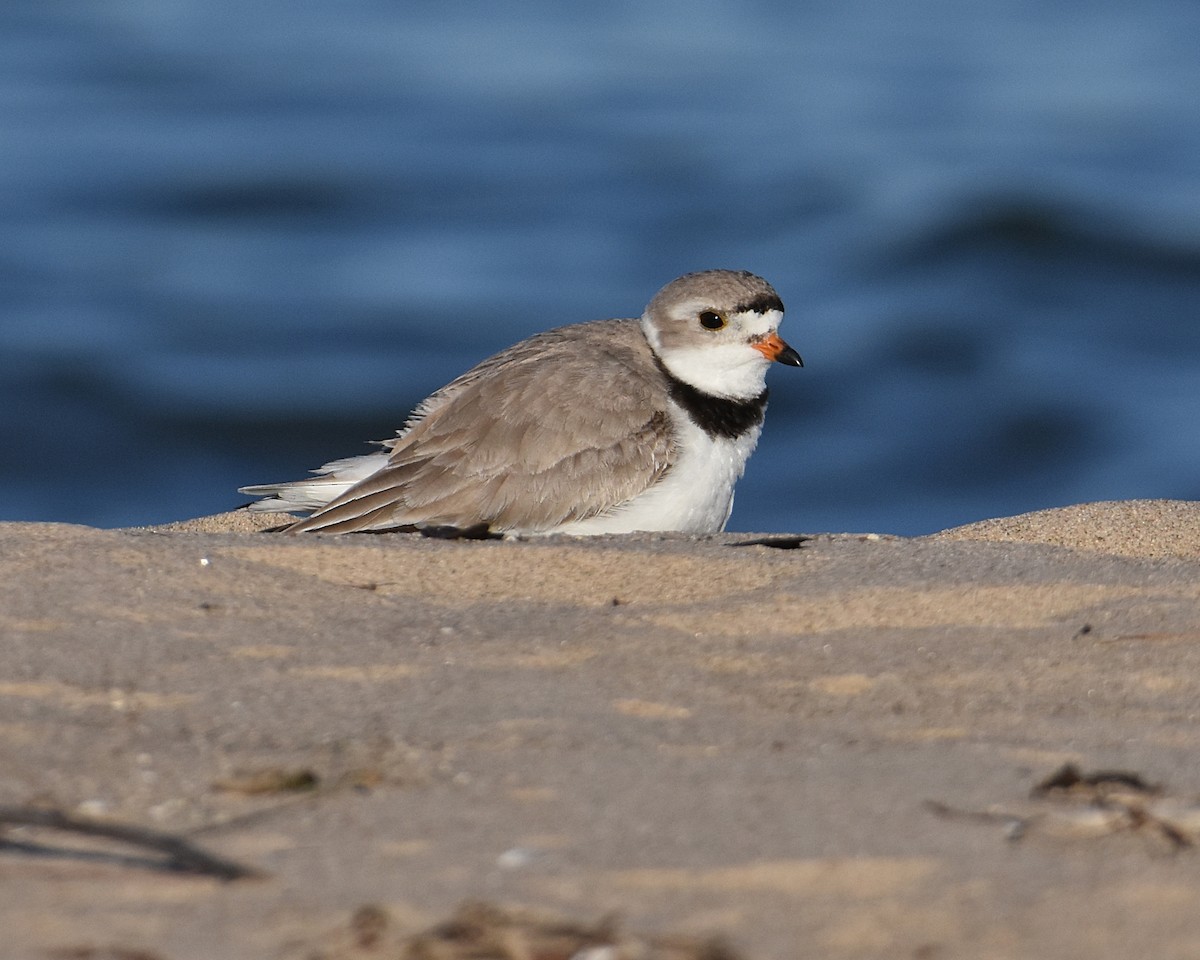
{"type": "Point", "coordinates": [694, 496]}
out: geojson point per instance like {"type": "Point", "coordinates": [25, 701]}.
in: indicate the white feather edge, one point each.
{"type": "Point", "coordinates": [330, 481]}
{"type": "Point", "coordinates": [333, 479]}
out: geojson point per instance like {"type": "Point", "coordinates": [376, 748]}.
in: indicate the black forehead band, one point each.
{"type": "Point", "coordinates": [760, 304]}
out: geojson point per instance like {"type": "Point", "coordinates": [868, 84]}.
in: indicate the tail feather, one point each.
{"type": "Point", "coordinates": [330, 482]}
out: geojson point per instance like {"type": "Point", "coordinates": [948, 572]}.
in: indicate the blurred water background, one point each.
{"type": "Point", "coordinates": [238, 240]}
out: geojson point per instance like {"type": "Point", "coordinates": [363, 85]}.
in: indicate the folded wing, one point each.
{"type": "Point", "coordinates": [561, 427]}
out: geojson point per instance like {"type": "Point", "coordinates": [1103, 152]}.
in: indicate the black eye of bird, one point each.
{"type": "Point", "coordinates": [711, 320]}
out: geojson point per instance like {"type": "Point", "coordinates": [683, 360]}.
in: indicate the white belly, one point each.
{"type": "Point", "coordinates": [694, 496]}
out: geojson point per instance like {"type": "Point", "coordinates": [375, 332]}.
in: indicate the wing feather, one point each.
{"type": "Point", "coordinates": [561, 427]}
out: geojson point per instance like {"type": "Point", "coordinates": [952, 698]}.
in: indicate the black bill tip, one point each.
{"type": "Point", "coordinates": [790, 357]}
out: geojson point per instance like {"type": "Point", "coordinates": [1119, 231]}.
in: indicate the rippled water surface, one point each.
{"type": "Point", "coordinates": [239, 240]}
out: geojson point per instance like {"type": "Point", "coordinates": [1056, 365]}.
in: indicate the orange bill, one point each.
{"type": "Point", "coordinates": [773, 347]}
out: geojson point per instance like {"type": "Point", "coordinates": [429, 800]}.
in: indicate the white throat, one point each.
{"type": "Point", "coordinates": [731, 368]}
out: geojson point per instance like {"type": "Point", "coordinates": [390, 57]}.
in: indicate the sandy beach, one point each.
{"type": "Point", "coordinates": [805, 747]}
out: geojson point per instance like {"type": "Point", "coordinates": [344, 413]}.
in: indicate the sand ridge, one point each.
{"type": "Point", "coordinates": [703, 735]}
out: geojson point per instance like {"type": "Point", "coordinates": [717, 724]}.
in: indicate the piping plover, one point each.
{"type": "Point", "coordinates": [613, 426]}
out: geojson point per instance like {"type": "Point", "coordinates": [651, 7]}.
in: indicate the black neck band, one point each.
{"type": "Point", "coordinates": [716, 416]}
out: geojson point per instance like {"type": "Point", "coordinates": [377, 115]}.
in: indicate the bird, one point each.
{"type": "Point", "coordinates": [603, 427]}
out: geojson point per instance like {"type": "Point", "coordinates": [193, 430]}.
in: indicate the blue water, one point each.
{"type": "Point", "coordinates": [238, 240]}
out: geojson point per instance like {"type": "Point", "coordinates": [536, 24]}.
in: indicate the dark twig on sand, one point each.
{"type": "Point", "coordinates": [180, 855]}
